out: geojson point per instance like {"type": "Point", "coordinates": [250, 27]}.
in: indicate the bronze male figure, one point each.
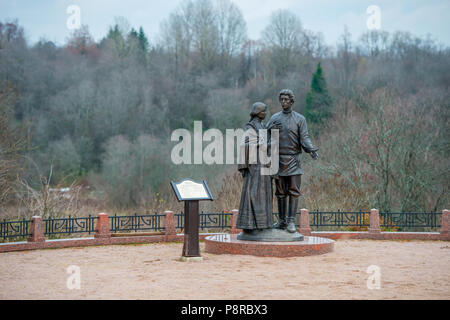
{"type": "Point", "coordinates": [293, 137]}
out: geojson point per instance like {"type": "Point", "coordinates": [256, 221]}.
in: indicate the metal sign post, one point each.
{"type": "Point", "coordinates": [191, 192]}
{"type": "Point", "coordinates": [191, 246]}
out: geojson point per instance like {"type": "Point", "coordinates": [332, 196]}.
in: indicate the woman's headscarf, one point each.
{"type": "Point", "coordinates": [257, 108]}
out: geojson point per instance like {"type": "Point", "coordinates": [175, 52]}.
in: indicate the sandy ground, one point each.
{"type": "Point", "coordinates": [408, 270]}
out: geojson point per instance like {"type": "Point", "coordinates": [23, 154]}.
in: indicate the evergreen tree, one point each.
{"type": "Point", "coordinates": [134, 34]}
{"type": "Point", "coordinates": [318, 101]}
{"type": "Point", "coordinates": [114, 33]}
{"type": "Point", "coordinates": [143, 41]}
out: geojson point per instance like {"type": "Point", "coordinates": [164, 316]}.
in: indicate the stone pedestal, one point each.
{"type": "Point", "coordinates": [229, 244]}
{"type": "Point", "coordinates": [36, 230]}
{"type": "Point", "coordinates": [234, 217]}
{"type": "Point", "coordinates": [270, 235]}
{"type": "Point", "coordinates": [169, 225]}
{"type": "Point", "coordinates": [445, 232]}
{"type": "Point", "coordinates": [374, 222]}
{"type": "Point", "coordinates": [102, 226]}
{"type": "Point", "coordinates": [304, 222]}
{"type": "Point", "coordinates": [191, 259]}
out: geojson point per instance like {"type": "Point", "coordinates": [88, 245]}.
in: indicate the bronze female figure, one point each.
{"type": "Point", "coordinates": [255, 210]}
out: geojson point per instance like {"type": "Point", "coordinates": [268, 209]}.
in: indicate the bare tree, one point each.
{"type": "Point", "coordinates": [283, 36]}
{"type": "Point", "coordinates": [205, 33]}
{"type": "Point", "coordinates": [375, 42]}
{"type": "Point", "coordinates": [177, 36]}
{"type": "Point", "coordinates": [232, 30]}
{"type": "Point", "coordinates": [284, 31]}
{"type": "Point", "coordinates": [45, 201]}
{"type": "Point", "coordinates": [347, 59]}
{"type": "Point", "coordinates": [391, 144]}
{"type": "Point", "coordinates": [12, 144]}
{"type": "Point", "coordinates": [81, 42]}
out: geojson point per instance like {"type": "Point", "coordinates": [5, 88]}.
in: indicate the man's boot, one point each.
{"type": "Point", "coordinates": [293, 204]}
{"type": "Point", "coordinates": [282, 206]}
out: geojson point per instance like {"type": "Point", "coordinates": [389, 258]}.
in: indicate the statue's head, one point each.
{"type": "Point", "coordinates": [286, 98]}
{"type": "Point", "coordinates": [258, 110]}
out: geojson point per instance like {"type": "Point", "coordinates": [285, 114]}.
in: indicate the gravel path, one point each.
{"type": "Point", "coordinates": [408, 269]}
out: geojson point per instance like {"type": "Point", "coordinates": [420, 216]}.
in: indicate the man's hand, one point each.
{"type": "Point", "coordinates": [314, 155]}
{"type": "Point", "coordinates": [275, 125]}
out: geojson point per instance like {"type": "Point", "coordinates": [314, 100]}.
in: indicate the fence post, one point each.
{"type": "Point", "coordinates": [304, 227]}
{"type": "Point", "coordinates": [36, 230]}
{"type": "Point", "coordinates": [234, 218]}
{"type": "Point", "coordinates": [102, 226]}
{"type": "Point", "coordinates": [374, 222]}
{"type": "Point", "coordinates": [445, 232]}
{"type": "Point", "coordinates": [169, 225]}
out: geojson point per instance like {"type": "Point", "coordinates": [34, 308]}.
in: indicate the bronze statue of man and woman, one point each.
{"type": "Point", "coordinates": [255, 211]}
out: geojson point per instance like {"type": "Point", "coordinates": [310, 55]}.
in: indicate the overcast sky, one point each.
{"type": "Point", "coordinates": [47, 18]}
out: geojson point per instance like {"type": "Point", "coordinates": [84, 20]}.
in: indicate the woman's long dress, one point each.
{"type": "Point", "coordinates": [255, 210]}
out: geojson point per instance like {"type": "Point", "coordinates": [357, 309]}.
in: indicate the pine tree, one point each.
{"type": "Point", "coordinates": [318, 101]}
{"type": "Point", "coordinates": [134, 34]}
{"type": "Point", "coordinates": [114, 33]}
{"type": "Point", "coordinates": [143, 41]}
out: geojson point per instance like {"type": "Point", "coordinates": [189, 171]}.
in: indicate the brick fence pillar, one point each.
{"type": "Point", "coordinates": [374, 222]}
{"type": "Point", "coordinates": [169, 225]}
{"type": "Point", "coordinates": [234, 218]}
{"type": "Point", "coordinates": [304, 222]}
{"type": "Point", "coordinates": [445, 232]}
{"type": "Point", "coordinates": [36, 230]}
{"type": "Point", "coordinates": [102, 226]}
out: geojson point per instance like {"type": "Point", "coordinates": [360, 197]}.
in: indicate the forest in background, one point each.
{"type": "Point", "coordinates": [96, 117]}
